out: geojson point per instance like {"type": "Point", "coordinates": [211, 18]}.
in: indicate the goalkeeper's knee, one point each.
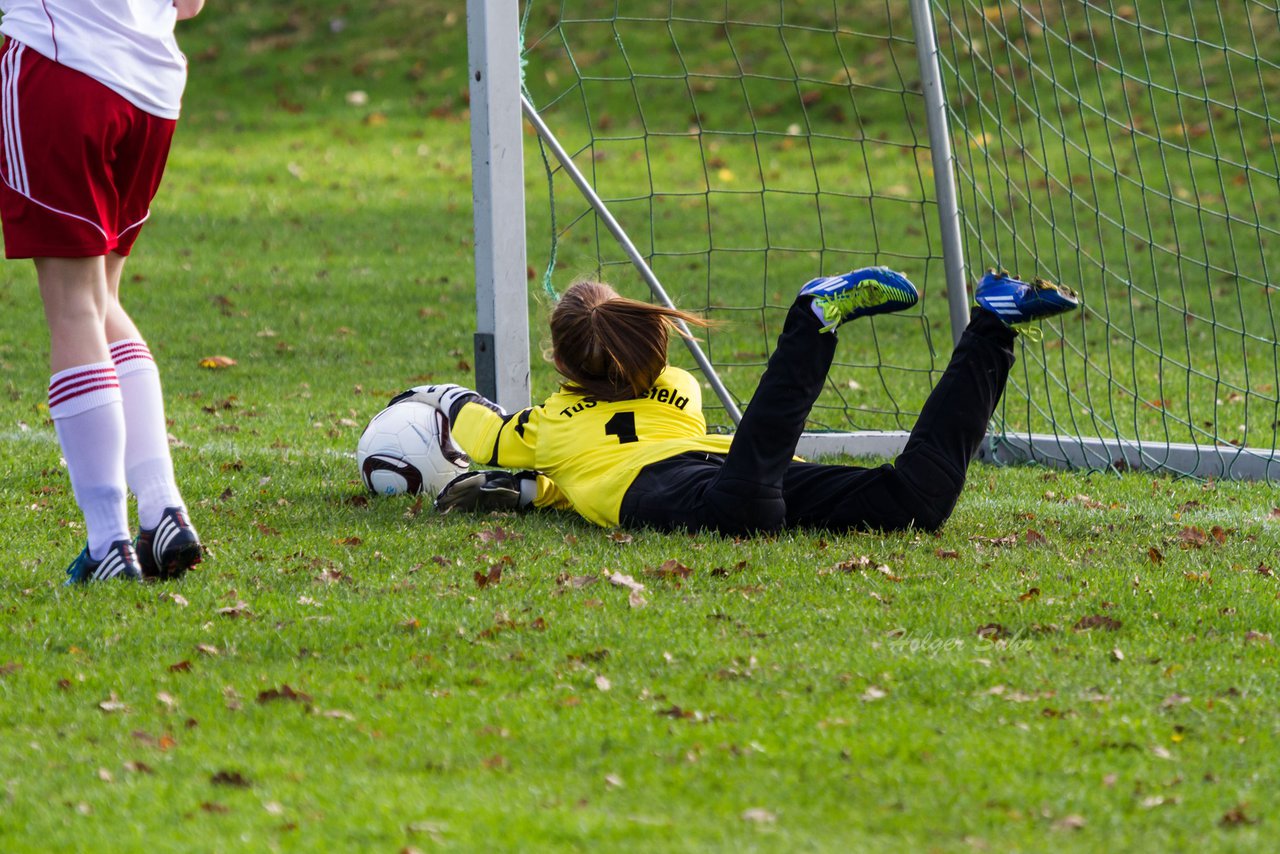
{"type": "Point", "coordinates": [489, 490]}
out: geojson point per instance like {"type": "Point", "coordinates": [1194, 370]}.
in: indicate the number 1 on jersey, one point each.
{"type": "Point", "coordinates": [622, 425]}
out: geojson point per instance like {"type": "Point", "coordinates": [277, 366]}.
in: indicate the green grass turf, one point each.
{"type": "Point", "coordinates": [1076, 661]}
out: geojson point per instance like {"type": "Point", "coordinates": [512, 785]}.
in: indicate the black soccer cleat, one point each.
{"type": "Point", "coordinates": [120, 562]}
{"type": "Point", "coordinates": [170, 548]}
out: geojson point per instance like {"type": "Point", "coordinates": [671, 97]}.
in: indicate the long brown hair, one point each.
{"type": "Point", "coordinates": [610, 347]}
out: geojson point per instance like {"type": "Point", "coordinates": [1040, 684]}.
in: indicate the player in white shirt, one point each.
{"type": "Point", "coordinates": [90, 94]}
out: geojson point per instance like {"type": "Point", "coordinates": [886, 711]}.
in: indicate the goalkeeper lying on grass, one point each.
{"type": "Point", "coordinates": [624, 442]}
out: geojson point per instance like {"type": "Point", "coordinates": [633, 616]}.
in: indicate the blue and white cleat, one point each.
{"type": "Point", "coordinates": [1017, 302]}
{"type": "Point", "coordinates": [170, 548]}
{"type": "Point", "coordinates": [870, 290]}
{"type": "Point", "coordinates": [120, 562]}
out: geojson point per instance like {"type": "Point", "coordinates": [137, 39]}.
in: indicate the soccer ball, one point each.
{"type": "Point", "coordinates": [407, 448]}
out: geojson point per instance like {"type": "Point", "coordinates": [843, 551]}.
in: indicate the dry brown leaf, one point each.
{"type": "Point", "coordinates": [1096, 621]}
{"type": "Point", "coordinates": [618, 579]}
{"type": "Point", "coordinates": [284, 692]}
{"type": "Point", "coordinates": [1236, 816]}
{"type": "Point", "coordinates": [233, 779]}
{"type": "Point", "coordinates": [670, 570]}
{"type": "Point", "coordinates": [1192, 537]}
{"type": "Point", "coordinates": [485, 579]}
{"type": "Point", "coordinates": [217, 362]}
{"type": "Point", "coordinates": [992, 632]}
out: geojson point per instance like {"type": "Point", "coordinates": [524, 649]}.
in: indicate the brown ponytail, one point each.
{"type": "Point", "coordinates": [610, 347]}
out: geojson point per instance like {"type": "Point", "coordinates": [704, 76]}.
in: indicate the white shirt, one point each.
{"type": "Point", "coordinates": [126, 45]}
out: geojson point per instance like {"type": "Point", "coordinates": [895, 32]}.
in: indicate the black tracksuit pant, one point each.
{"type": "Point", "coordinates": [758, 487]}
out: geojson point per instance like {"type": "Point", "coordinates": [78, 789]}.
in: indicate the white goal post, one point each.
{"type": "Point", "coordinates": [984, 209]}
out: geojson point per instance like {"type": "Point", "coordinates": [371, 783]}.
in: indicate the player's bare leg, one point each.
{"type": "Point", "coordinates": [85, 405]}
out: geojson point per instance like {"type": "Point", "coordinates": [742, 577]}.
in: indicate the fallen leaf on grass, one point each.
{"type": "Point", "coordinates": [1155, 555]}
{"type": "Point", "coordinates": [992, 632]}
{"type": "Point", "coordinates": [113, 704]}
{"type": "Point", "coordinates": [603, 683]}
{"type": "Point", "coordinates": [230, 778]}
{"type": "Point", "coordinates": [1256, 637]}
{"type": "Point", "coordinates": [636, 599]}
{"type": "Point", "coordinates": [1034, 538]}
{"type": "Point", "coordinates": [1192, 537]}
{"type": "Point", "coordinates": [613, 781]}
{"type": "Point", "coordinates": [176, 598]}
{"type": "Point", "coordinates": [670, 570]}
{"type": "Point", "coordinates": [1174, 700]}
{"type": "Point", "coordinates": [206, 649]}
{"type": "Point", "coordinates": [1096, 621]}
{"type": "Point", "coordinates": [484, 579]}
{"type": "Point", "coordinates": [9, 668]}
{"type": "Point", "coordinates": [617, 579]}
{"type": "Point", "coordinates": [217, 362]}
{"type": "Point", "coordinates": [946, 554]}
{"type": "Point", "coordinates": [239, 609]}
{"type": "Point", "coordinates": [577, 582]}
{"type": "Point", "coordinates": [136, 767]}
{"type": "Point", "coordinates": [722, 572]}
{"type": "Point", "coordinates": [1236, 816]}
{"type": "Point", "coordinates": [284, 692]}
{"type": "Point", "coordinates": [872, 694]}
{"type": "Point", "coordinates": [337, 714]}
{"type": "Point", "coordinates": [497, 535]}
{"type": "Point", "coordinates": [759, 816]}
{"type": "Point", "coordinates": [1032, 593]}
{"type": "Point", "coordinates": [1069, 822]}
{"type": "Point", "coordinates": [215, 808]}
{"type": "Point", "coordinates": [1154, 801]}
{"type": "Point", "coordinates": [622, 538]}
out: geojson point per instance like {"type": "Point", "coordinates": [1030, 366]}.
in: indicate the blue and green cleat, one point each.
{"type": "Point", "coordinates": [1016, 302]}
{"type": "Point", "coordinates": [120, 562]}
{"type": "Point", "coordinates": [870, 290]}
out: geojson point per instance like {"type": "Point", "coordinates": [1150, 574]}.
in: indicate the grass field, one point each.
{"type": "Point", "coordinates": [1076, 662]}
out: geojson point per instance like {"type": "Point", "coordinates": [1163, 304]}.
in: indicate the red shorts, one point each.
{"type": "Point", "coordinates": [79, 165]}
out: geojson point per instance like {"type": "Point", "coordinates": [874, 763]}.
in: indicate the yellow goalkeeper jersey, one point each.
{"type": "Point", "coordinates": [590, 449]}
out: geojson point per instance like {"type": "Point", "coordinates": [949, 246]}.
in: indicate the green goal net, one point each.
{"type": "Point", "coordinates": [1127, 151]}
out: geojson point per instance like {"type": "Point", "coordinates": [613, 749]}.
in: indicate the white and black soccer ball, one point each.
{"type": "Point", "coordinates": [407, 449]}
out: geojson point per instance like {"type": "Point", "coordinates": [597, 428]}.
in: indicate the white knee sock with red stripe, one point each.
{"type": "Point", "coordinates": [84, 403]}
{"type": "Point", "coordinates": [147, 463]}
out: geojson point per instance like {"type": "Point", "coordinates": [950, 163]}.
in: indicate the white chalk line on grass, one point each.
{"type": "Point", "coordinates": [49, 437]}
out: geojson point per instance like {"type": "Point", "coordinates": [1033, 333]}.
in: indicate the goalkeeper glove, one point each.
{"type": "Point", "coordinates": [446, 397]}
{"type": "Point", "coordinates": [489, 490]}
